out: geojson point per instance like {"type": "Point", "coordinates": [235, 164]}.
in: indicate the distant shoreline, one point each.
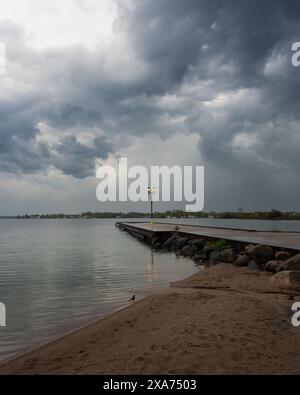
{"type": "Point", "coordinates": [273, 215]}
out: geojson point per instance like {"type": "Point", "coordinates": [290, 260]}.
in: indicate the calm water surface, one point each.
{"type": "Point", "coordinates": [56, 275]}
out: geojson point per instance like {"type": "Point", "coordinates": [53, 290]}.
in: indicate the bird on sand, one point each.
{"type": "Point", "coordinates": [132, 299]}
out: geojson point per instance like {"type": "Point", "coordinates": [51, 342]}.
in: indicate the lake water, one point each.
{"type": "Point", "coordinates": [56, 275]}
{"type": "Point", "coordinates": [284, 226]}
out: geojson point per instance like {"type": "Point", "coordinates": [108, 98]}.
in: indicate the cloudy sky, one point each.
{"type": "Point", "coordinates": [160, 81]}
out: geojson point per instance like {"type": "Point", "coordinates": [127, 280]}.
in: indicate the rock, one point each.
{"type": "Point", "coordinates": [199, 243]}
{"type": "Point", "coordinates": [252, 265]}
{"type": "Point", "coordinates": [170, 241]}
{"type": "Point", "coordinates": [203, 257]}
{"type": "Point", "coordinates": [287, 280]}
{"type": "Point", "coordinates": [185, 250]}
{"type": "Point", "coordinates": [197, 258]}
{"type": "Point", "coordinates": [242, 261]}
{"type": "Point", "coordinates": [206, 251]}
{"type": "Point", "coordinates": [193, 251]}
{"type": "Point", "coordinates": [215, 257]}
{"type": "Point", "coordinates": [228, 255]}
{"type": "Point", "coordinates": [180, 243]}
{"type": "Point", "coordinates": [189, 250]}
{"type": "Point", "coordinates": [282, 255]}
{"type": "Point", "coordinates": [249, 249]}
{"type": "Point", "coordinates": [274, 266]}
{"type": "Point", "coordinates": [292, 263]}
{"type": "Point", "coordinates": [262, 254]}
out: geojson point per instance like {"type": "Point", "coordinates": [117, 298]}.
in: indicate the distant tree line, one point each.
{"type": "Point", "coordinates": [260, 215]}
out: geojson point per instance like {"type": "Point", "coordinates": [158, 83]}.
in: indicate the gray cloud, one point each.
{"type": "Point", "coordinates": [76, 159]}
{"type": "Point", "coordinates": [221, 69]}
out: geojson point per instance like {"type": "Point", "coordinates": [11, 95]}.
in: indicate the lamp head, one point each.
{"type": "Point", "coordinates": [151, 189]}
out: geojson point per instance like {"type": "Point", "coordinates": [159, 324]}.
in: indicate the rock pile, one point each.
{"type": "Point", "coordinates": [283, 264]}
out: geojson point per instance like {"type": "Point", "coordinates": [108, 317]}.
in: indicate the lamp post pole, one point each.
{"type": "Point", "coordinates": [151, 209]}
{"type": "Point", "coordinates": [151, 190]}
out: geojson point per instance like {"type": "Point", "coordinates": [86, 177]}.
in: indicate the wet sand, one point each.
{"type": "Point", "coordinates": [222, 320]}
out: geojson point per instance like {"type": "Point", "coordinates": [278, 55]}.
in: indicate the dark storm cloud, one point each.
{"type": "Point", "coordinates": [68, 116]}
{"type": "Point", "coordinates": [227, 64]}
{"type": "Point", "coordinates": [172, 35]}
{"type": "Point", "coordinates": [43, 92]}
{"type": "Point", "coordinates": [168, 35]}
{"type": "Point", "coordinates": [244, 49]}
{"type": "Point", "coordinates": [76, 159]}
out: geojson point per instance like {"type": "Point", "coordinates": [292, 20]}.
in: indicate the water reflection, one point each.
{"type": "Point", "coordinates": [152, 269]}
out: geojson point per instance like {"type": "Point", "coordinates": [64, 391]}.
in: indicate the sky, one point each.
{"type": "Point", "coordinates": [161, 82]}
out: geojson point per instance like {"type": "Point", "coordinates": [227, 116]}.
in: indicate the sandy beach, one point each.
{"type": "Point", "coordinates": [222, 320]}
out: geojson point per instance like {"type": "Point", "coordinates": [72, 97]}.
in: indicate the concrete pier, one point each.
{"type": "Point", "coordinates": [147, 231]}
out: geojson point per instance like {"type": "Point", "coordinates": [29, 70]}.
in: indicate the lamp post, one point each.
{"type": "Point", "coordinates": [151, 190]}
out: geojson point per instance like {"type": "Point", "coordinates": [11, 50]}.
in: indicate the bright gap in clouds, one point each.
{"type": "Point", "coordinates": [58, 23]}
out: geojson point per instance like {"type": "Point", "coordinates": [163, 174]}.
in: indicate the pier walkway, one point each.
{"type": "Point", "coordinates": [146, 230]}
